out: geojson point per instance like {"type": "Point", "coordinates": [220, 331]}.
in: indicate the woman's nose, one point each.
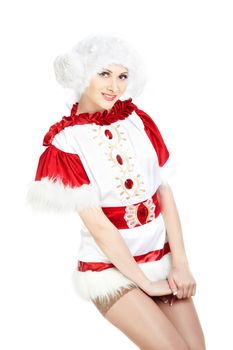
{"type": "Point", "coordinates": [113, 86]}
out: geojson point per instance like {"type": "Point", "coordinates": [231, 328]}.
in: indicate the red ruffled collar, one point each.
{"type": "Point", "coordinates": [119, 111]}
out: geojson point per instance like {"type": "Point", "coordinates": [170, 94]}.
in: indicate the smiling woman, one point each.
{"type": "Point", "coordinates": [108, 74]}
{"type": "Point", "coordinates": [111, 97]}
{"type": "Point", "coordinates": [104, 90]}
{"type": "Point", "coordinates": [106, 162]}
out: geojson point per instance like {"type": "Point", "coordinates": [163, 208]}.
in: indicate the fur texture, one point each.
{"type": "Point", "coordinates": [90, 284]}
{"type": "Point", "coordinates": [49, 195]}
{"type": "Point", "coordinates": [75, 68]}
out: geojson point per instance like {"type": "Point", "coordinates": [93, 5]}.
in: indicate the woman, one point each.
{"type": "Point", "coordinates": [107, 161]}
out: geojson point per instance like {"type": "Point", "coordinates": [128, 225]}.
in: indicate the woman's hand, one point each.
{"type": "Point", "coordinates": [157, 288]}
{"type": "Point", "coordinates": [180, 279]}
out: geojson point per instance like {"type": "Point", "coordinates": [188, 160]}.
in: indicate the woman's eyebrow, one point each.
{"type": "Point", "coordinates": [111, 71]}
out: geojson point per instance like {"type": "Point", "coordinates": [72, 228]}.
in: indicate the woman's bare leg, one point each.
{"type": "Point", "coordinates": [184, 317]}
{"type": "Point", "coordinates": [143, 322]}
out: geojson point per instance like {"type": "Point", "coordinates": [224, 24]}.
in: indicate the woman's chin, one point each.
{"type": "Point", "coordinates": [106, 104]}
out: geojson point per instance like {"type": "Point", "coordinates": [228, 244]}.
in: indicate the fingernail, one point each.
{"type": "Point", "coordinates": [174, 293]}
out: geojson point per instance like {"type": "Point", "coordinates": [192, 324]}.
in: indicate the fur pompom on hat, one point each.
{"type": "Point", "coordinates": [75, 69]}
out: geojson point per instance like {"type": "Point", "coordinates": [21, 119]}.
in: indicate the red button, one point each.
{"type": "Point", "coordinates": [108, 133]}
{"type": "Point", "coordinates": [142, 213]}
{"type": "Point", "coordinates": [119, 159]}
{"type": "Point", "coordinates": [129, 183]}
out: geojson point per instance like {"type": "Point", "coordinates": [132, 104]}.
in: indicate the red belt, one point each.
{"type": "Point", "coordinates": [100, 266]}
{"type": "Point", "coordinates": [134, 214]}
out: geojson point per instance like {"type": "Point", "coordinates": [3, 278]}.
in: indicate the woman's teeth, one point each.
{"type": "Point", "coordinates": [109, 97]}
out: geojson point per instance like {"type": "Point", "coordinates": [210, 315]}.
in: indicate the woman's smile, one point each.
{"type": "Point", "coordinates": [109, 97]}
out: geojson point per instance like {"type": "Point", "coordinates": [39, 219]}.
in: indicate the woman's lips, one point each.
{"type": "Point", "coordinates": [109, 97]}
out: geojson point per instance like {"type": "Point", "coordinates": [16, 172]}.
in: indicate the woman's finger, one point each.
{"type": "Point", "coordinates": [171, 300]}
{"type": "Point", "coordinates": [186, 291]}
{"type": "Point", "coordinates": [194, 290]}
{"type": "Point", "coordinates": [181, 294]}
{"type": "Point", "coordinates": [172, 285]}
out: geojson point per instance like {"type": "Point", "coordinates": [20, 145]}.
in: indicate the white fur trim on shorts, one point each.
{"type": "Point", "coordinates": [91, 284]}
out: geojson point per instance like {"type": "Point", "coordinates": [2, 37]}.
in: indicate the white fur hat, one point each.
{"type": "Point", "coordinates": [74, 69]}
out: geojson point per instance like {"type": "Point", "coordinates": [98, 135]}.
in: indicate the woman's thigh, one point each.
{"type": "Point", "coordinates": [183, 316]}
{"type": "Point", "coordinates": [144, 323]}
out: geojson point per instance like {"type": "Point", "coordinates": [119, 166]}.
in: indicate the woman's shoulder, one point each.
{"type": "Point", "coordinates": [59, 128]}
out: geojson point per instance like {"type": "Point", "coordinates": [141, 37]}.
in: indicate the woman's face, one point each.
{"type": "Point", "coordinates": [107, 86]}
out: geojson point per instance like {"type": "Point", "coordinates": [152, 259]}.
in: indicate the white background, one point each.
{"type": "Point", "coordinates": [187, 46]}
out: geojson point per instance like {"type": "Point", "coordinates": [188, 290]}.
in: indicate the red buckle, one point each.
{"type": "Point", "coordinates": [140, 214]}
{"type": "Point", "coordinates": [133, 214]}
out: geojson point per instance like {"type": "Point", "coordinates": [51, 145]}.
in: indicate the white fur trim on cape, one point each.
{"type": "Point", "coordinates": [49, 195]}
{"type": "Point", "coordinates": [89, 285]}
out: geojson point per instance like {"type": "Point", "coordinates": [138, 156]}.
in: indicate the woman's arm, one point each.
{"type": "Point", "coordinates": [180, 276]}
{"type": "Point", "coordinates": [113, 245]}
{"type": "Point", "coordinates": [173, 225]}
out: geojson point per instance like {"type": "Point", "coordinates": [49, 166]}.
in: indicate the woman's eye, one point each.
{"type": "Point", "coordinates": [125, 76]}
{"type": "Point", "coordinates": [107, 74]}
{"type": "Point", "coordinates": [103, 73]}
